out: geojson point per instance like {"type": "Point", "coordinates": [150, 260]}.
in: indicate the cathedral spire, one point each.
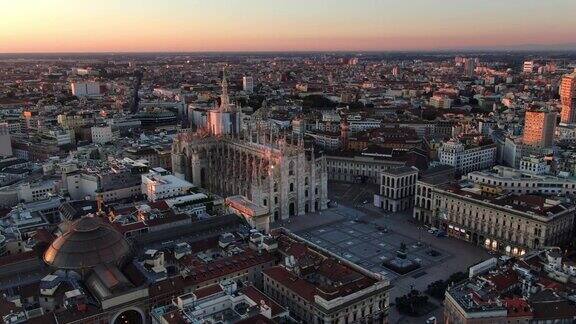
{"type": "Point", "coordinates": [224, 99]}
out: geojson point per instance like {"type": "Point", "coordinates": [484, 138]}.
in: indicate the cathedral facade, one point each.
{"type": "Point", "coordinates": [284, 177]}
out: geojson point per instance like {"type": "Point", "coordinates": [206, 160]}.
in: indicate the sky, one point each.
{"type": "Point", "coordinates": [281, 25]}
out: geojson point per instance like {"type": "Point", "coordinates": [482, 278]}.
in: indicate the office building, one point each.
{"type": "Point", "coordinates": [248, 84]}
{"type": "Point", "coordinates": [113, 180]}
{"type": "Point", "coordinates": [86, 88]}
{"type": "Point", "coordinates": [470, 66]}
{"type": "Point", "coordinates": [101, 134]}
{"type": "Point", "coordinates": [467, 158]}
{"type": "Point", "coordinates": [568, 99]}
{"type": "Point", "coordinates": [159, 184]}
{"type": "Point", "coordinates": [539, 127]}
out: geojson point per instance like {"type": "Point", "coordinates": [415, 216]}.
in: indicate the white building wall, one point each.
{"type": "Point", "coordinates": [102, 134]}
{"type": "Point", "coordinates": [5, 140]}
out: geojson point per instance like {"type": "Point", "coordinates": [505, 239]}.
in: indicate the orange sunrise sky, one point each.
{"type": "Point", "coordinates": [281, 25]}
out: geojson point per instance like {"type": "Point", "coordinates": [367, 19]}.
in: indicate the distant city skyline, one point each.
{"type": "Point", "coordinates": [297, 25]}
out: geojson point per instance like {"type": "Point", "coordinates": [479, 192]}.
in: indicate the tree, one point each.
{"type": "Point", "coordinates": [456, 277]}
{"type": "Point", "coordinates": [411, 303]}
{"type": "Point", "coordinates": [437, 289]}
{"type": "Point", "coordinates": [318, 101]}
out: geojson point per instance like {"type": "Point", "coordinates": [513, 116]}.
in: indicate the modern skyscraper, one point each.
{"type": "Point", "coordinates": [469, 66]}
{"type": "Point", "coordinates": [568, 99]}
{"type": "Point", "coordinates": [248, 84]}
{"type": "Point", "coordinates": [539, 128]}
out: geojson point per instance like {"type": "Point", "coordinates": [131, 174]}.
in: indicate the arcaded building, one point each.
{"type": "Point", "coordinates": [509, 223]}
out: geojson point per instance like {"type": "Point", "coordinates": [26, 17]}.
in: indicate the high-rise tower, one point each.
{"type": "Point", "coordinates": [539, 128]}
{"type": "Point", "coordinates": [568, 99]}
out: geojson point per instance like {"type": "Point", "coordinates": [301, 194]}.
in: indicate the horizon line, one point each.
{"type": "Point", "coordinates": [359, 51]}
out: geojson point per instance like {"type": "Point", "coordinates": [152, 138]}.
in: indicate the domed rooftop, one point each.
{"type": "Point", "coordinates": [87, 243]}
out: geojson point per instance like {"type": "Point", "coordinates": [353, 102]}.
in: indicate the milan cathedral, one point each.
{"type": "Point", "coordinates": [271, 171]}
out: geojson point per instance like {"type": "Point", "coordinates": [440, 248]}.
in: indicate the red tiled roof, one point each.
{"type": "Point", "coordinates": [258, 319]}
{"type": "Point", "coordinates": [256, 295]}
{"type": "Point", "coordinates": [207, 291]}
{"type": "Point", "coordinates": [169, 286]}
{"type": "Point", "coordinates": [204, 272]}
{"type": "Point", "coordinates": [174, 317]}
{"type": "Point", "coordinates": [503, 281]}
{"type": "Point", "coordinates": [160, 205]}
{"type": "Point", "coordinates": [292, 282]}
{"type": "Point", "coordinates": [130, 227]}
{"type": "Point", "coordinates": [337, 272]}
{"type": "Point", "coordinates": [518, 307]}
{"type": "Point", "coordinates": [19, 257]}
{"type": "Point", "coordinates": [549, 283]}
{"type": "Point", "coordinates": [43, 235]}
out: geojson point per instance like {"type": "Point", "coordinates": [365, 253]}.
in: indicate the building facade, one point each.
{"type": "Point", "coordinates": [159, 184]}
{"type": "Point", "coordinates": [248, 84]}
{"type": "Point", "coordinates": [282, 176]}
{"type": "Point", "coordinates": [507, 223]}
{"type": "Point", "coordinates": [359, 168]}
{"type": "Point", "coordinates": [5, 141]}
{"type": "Point", "coordinates": [397, 188]}
{"type": "Point", "coordinates": [539, 127]}
{"type": "Point", "coordinates": [288, 179]}
{"type": "Point", "coordinates": [523, 182]}
{"type": "Point", "coordinates": [467, 159]}
{"type": "Point", "coordinates": [101, 134]}
{"type": "Point", "coordinates": [568, 99]}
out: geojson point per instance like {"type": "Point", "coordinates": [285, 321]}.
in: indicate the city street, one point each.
{"type": "Point", "coordinates": [366, 235]}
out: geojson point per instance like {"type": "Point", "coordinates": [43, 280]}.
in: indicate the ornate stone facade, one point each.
{"type": "Point", "coordinates": [287, 178]}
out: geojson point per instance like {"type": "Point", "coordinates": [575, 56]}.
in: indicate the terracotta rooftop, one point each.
{"type": "Point", "coordinates": [207, 291]}
{"type": "Point", "coordinates": [257, 296]}
{"type": "Point", "coordinates": [518, 307]}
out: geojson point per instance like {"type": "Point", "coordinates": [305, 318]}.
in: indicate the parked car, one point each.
{"type": "Point", "coordinates": [431, 320]}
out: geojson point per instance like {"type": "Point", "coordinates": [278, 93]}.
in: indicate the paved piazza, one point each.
{"type": "Point", "coordinates": [365, 235]}
{"type": "Point", "coordinates": [367, 244]}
